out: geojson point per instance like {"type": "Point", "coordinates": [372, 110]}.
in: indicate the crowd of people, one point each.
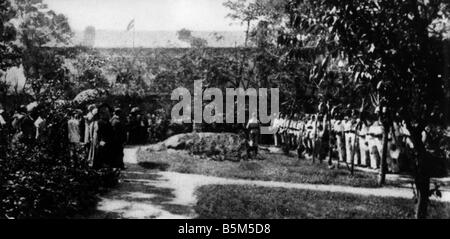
{"type": "Point", "coordinates": [100, 132]}
{"type": "Point", "coordinates": [347, 138]}
{"type": "Point", "coordinates": [105, 132]}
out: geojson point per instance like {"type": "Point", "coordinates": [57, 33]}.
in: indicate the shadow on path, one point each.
{"type": "Point", "coordinates": [141, 195]}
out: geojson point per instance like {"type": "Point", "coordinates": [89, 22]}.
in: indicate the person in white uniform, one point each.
{"type": "Point", "coordinates": [375, 144]}
{"type": "Point", "coordinates": [275, 129]}
{"type": "Point", "coordinates": [363, 142]}
{"type": "Point", "coordinates": [349, 139]}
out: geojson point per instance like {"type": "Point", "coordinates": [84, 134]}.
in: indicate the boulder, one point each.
{"type": "Point", "coordinates": [220, 146]}
{"type": "Point", "coordinates": [155, 147]}
{"type": "Point", "coordinates": [177, 141]}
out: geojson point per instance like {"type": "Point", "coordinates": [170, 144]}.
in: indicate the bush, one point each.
{"type": "Point", "coordinates": [42, 179]}
{"type": "Point", "coordinates": [221, 146]}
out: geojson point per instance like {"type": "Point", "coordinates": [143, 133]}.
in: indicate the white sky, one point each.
{"type": "Point", "coordinates": [171, 15]}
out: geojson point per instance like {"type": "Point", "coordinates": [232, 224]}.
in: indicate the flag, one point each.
{"type": "Point", "coordinates": [130, 25]}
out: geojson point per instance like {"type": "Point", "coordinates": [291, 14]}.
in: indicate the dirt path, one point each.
{"type": "Point", "coordinates": [165, 195]}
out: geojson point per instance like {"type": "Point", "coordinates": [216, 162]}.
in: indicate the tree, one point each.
{"type": "Point", "coordinates": [195, 42]}
{"type": "Point", "coordinates": [89, 74]}
{"type": "Point", "coordinates": [245, 11]}
{"type": "Point", "coordinates": [39, 29]}
{"type": "Point", "coordinates": [129, 75]}
{"type": "Point", "coordinates": [394, 47]}
{"type": "Point", "coordinates": [39, 26]}
{"type": "Point", "coordinates": [48, 77]}
{"type": "Point", "coordinates": [8, 50]}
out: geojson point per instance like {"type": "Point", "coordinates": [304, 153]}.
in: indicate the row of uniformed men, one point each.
{"type": "Point", "coordinates": [353, 140]}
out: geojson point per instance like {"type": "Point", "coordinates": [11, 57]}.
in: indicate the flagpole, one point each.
{"type": "Point", "coordinates": [130, 26]}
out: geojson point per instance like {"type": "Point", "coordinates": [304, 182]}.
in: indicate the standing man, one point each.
{"type": "Point", "coordinates": [375, 143]}
{"type": "Point", "coordinates": [91, 132]}
{"type": "Point", "coordinates": [310, 135]}
{"type": "Point", "coordinates": [104, 138]}
{"type": "Point", "coordinates": [253, 126]}
{"type": "Point", "coordinates": [133, 126]}
{"type": "Point", "coordinates": [74, 132]}
{"type": "Point", "coordinates": [143, 128]}
{"type": "Point", "coordinates": [340, 138]}
{"type": "Point", "coordinates": [349, 138]}
{"type": "Point", "coordinates": [3, 134]}
{"type": "Point", "coordinates": [275, 129]}
{"type": "Point", "coordinates": [363, 142]}
{"type": "Point", "coordinates": [300, 133]}
{"type": "Point", "coordinates": [23, 124]}
{"type": "Point", "coordinates": [119, 139]}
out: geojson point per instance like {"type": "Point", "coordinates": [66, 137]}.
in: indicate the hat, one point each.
{"type": "Point", "coordinates": [91, 107]}
{"type": "Point", "coordinates": [105, 105]}
{"type": "Point", "coordinates": [117, 110]}
{"type": "Point", "coordinates": [135, 110]}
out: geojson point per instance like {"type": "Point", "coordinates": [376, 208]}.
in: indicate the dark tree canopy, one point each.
{"type": "Point", "coordinates": [9, 51]}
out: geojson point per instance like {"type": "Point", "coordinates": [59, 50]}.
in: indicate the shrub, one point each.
{"type": "Point", "coordinates": [42, 179]}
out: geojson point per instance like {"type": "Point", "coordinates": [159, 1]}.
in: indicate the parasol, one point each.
{"type": "Point", "coordinates": [87, 96]}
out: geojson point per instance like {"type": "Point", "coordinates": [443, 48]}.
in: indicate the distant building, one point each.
{"type": "Point", "coordinates": [89, 37]}
{"type": "Point", "coordinates": [159, 39]}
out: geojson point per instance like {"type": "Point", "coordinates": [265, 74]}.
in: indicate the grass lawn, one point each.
{"type": "Point", "coordinates": [270, 167]}
{"type": "Point", "coordinates": [250, 202]}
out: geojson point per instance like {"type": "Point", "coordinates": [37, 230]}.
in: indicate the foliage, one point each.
{"type": "Point", "coordinates": [89, 72]}
{"type": "Point", "coordinates": [146, 72]}
{"type": "Point", "coordinates": [39, 28]}
{"type": "Point", "coordinates": [394, 50]}
{"type": "Point", "coordinates": [47, 73]}
{"type": "Point", "coordinates": [195, 42]}
{"type": "Point", "coordinates": [8, 50]}
{"type": "Point", "coordinates": [129, 75]}
{"type": "Point", "coordinates": [43, 179]}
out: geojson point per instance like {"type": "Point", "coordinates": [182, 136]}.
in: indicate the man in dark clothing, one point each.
{"type": "Point", "coordinates": [23, 124]}
{"type": "Point", "coordinates": [3, 134]}
{"type": "Point", "coordinates": [133, 127]}
{"type": "Point", "coordinates": [119, 139]}
{"type": "Point", "coordinates": [142, 129]}
{"type": "Point", "coordinates": [104, 134]}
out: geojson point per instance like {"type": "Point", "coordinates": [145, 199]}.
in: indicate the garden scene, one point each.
{"type": "Point", "coordinates": [354, 125]}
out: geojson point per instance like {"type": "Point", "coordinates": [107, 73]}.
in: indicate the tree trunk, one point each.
{"type": "Point", "coordinates": [423, 192]}
{"type": "Point", "coordinates": [315, 140]}
{"type": "Point", "coordinates": [244, 57]}
{"type": "Point", "coordinates": [330, 146]}
{"type": "Point", "coordinates": [353, 150]}
{"type": "Point", "coordinates": [422, 180]}
{"type": "Point", "coordinates": [247, 33]}
{"type": "Point", "coordinates": [421, 176]}
{"type": "Point", "coordinates": [383, 163]}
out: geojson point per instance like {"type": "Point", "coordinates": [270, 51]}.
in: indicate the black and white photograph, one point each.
{"type": "Point", "coordinates": [224, 109]}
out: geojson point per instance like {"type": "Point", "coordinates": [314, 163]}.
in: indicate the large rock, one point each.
{"type": "Point", "coordinates": [177, 141]}
{"type": "Point", "coordinates": [220, 146]}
